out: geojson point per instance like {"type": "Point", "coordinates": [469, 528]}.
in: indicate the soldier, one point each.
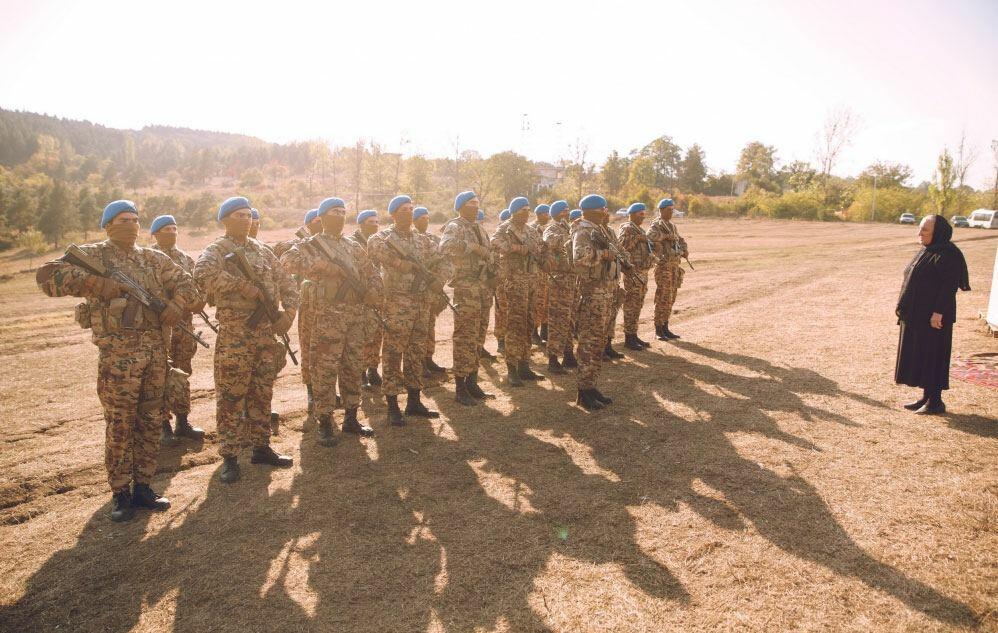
{"type": "Point", "coordinates": [519, 250]}
{"type": "Point", "coordinates": [245, 349]}
{"type": "Point", "coordinates": [574, 217]}
{"type": "Point", "coordinates": [132, 363]}
{"type": "Point", "coordinates": [594, 264]}
{"type": "Point", "coordinates": [435, 301]}
{"type": "Point", "coordinates": [400, 251]}
{"type": "Point", "coordinates": [615, 294]}
{"type": "Point", "coordinates": [367, 225]}
{"type": "Point", "coordinates": [311, 222]}
{"type": "Point", "coordinates": [182, 348]}
{"type": "Point", "coordinates": [467, 246]}
{"type": "Point", "coordinates": [499, 294]}
{"type": "Point", "coordinates": [539, 309]}
{"type": "Point", "coordinates": [562, 289]}
{"type": "Point", "coordinates": [493, 284]}
{"type": "Point", "coordinates": [635, 242]}
{"type": "Point", "coordinates": [254, 223]}
{"type": "Point", "coordinates": [340, 290]}
{"type": "Point", "coordinates": [669, 247]}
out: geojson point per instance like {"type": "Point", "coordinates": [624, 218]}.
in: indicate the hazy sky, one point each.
{"type": "Point", "coordinates": [418, 75]}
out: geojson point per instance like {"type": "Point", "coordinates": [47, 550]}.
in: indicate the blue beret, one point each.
{"type": "Point", "coordinates": [254, 214]}
{"type": "Point", "coordinates": [397, 202]}
{"type": "Point", "coordinates": [462, 198]}
{"type": "Point", "coordinates": [368, 213]}
{"type": "Point", "coordinates": [117, 207]}
{"type": "Point", "coordinates": [665, 202]}
{"type": "Point", "coordinates": [481, 215]}
{"type": "Point", "coordinates": [518, 203]}
{"type": "Point", "coordinates": [575, 214]}
{"type": "Point", "coordinates": [161, 221]}
{"type": "Point", "coordinates": [504, 215]}
{"type": "Point", "coordinates": [311, 216]}
{"type": "Point", "coordinates": [636, 207]}
{"type": "Point", "coordinates": [232, 204]}
{"type": "Point", "coordinates": [330, 203]}
{"type": "Point", "coordinates": [592, 201]}
{"type": "Point", "coordinates": [558, 206]}
{"type": "Point", "coordinates": [541, 209]}
{"type": "Point", "coordinates": [419, 212]}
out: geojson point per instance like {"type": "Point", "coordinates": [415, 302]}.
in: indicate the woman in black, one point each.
{"type": "Point", "coordinates": [926, 312]}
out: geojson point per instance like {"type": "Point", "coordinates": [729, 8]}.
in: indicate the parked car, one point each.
{"type": "Point", "coordinates": [983, 219]}
{"type": "Point", "coordinates": [959, 220]}
{"type": "Point", "coordinates": [907, 218]}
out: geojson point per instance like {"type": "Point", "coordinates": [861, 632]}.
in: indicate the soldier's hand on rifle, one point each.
{"type": "Point", "coordinates": [107, 289]}
{"type": "Point", "coordinates": [197, 307]}
{"type": "Point", "coordinates": [249, 291]}
{"type": "Point", "coordinates": [608, 256]}
{"type": "Point", "coordinates": [283, 323]}
{"type": "Point", "coordinates": [323, 268]}
{"type": "Point", "coordinates": [172, 314]}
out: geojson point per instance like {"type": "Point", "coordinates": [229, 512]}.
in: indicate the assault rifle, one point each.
{"type": "Point", "coordinates": [77, 257]}
{"type": "Point", "coordinates": [349, 276]}
{"type": "Point", "coordinates": [266, 306]}
{"type": "Point", "coordinates": [423, 270]}
{"type": "Point", "coordinates": [604, 242]}
{"type": "Point", "coordinates": [204, 317]}
{"type": "Point", "coordinates": [519, 242]}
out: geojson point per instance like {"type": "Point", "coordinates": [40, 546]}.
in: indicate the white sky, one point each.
{"type": "Point", "coordinates": [615, 74]}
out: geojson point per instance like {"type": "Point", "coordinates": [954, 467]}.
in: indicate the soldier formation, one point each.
{"type": "Point", "coordinates": [369, 298]}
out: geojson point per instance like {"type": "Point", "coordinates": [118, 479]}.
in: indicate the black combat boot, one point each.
{"type": "Point", "coordinates": [166, 437]}
{"type": "Point", "coordinates": [144, 497]}
{"type": "Point", "coordinates": [324, 432]}
{"type": "Point", "coordinates": [669, 334]}
{"type": "Point", "coordinates": [184, 429]}
{"type": "Point", "coordinates": [535, 337]}
{"type": "Point", "coordinates": [364, 382]}
{"type": "Point", "coordinates": [275, 423]}
{"type": "Point", "coordinates": [414, 406]}
{"type": "Point", "coordinates": [569, 362]}
{"type": "Point", "coordinates": [587, 400]}
{"type": "Point", "coordinates": [352, 425]}
{"type": "Point", "coordinates": [373, 377]}
{"type": "Point", "coordinates": [554, 366]}
{"type": "Point", "coordinates": [512, 375]}
{"type": "Point", "coordinates": [267, 455]}
{"type": "Point", "coordinates": [433, 367]}
{"type": "Point", "coordinates": [487, 356]}
{"type": "Point", "coordinates": [230, 470]}
{"type": "Point", "coordinates": [524, 371]}
{"type": "Point", "coordinates": [600, 397]}
{"type": "Point", "coordinates": [476, 392]}
{"type": "Point", "coordinates": [461, 392]}
{"type": "Point", "coordinates": [395, 417]}
{"type": "Point", "coordinates": [609, 351]}
{"type": "Point", "coordinates": [631, 342]}
{"type": "Point", "coordinates": [544, 332]}
{"type": "Point", "coordinates": [642, 342]}
{"type": "Point", "coordinates": [121, 506]}
{"type": "Point", "coordinates": [660, 333]}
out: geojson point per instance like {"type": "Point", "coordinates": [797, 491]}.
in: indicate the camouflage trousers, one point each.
{"type": "Point", "coordinates": [634, 299]}
{"type": "Point", "coordinates": [561, 312]}
{"type": "Point", "coordinates": [541, 294]}
{"type": "Point", "coordinates": [502, 311]}
{"type": "Point", "coordinates": [615, 298]}
{"type": "Point", "coordinates": [473, 303]}
{"type": "Point", "coordinates": [592, 333]}
{"type": "Point", "coordinates": [518, 318]}
{"type": "Point", "coordinates": [182, 350]}
{"type": "Point", "coordinates": [405, 343]}
{"type": "Point", "coordinates": [244, 370]}
{"type": "Point", "coordinates": [131, 376]}
{"type": "Point", "coordinates": [433, 307]}
{"type": "Point", "coordinates": [337, 347]}
{"type": "Point", "coordinates": [373, 335]}
{"type": "Point", "coordinates": [668, 279]}
{"type": "Point", "coordinates": [306, 321]}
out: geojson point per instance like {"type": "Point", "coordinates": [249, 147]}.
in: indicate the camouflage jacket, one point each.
{"type": "Point", "coordinates": [381, 247]}
{"type": "Point", "coordinates": [358, 236]}
{"type": "Point", "coordinates": [151, 269]}
{"type": "Point", "coordinates": [510, 236]}
{"type": "Point", "coordinates": [557, 241]}
{"type": "Point", "coordinates": [304, 258]}
{"type": "Point", "coordinates": [440, 264]}
{"type": "Point", "coordinates": [587, 254]}
{"type": "Point", "coordinates": [224, 282]}
{"type": "Point", "coordinates": [634, 241]}
{"type": "Point", "coordinates": [183, 260]}
{"type": "Point", "coordinates": [669, 246]}
{"type": "Point", "coordinates": [469, 268]}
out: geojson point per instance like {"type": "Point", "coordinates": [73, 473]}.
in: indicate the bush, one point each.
{"type": "Point", "coordinates": [891, 203]}
{"type": "Point", "coordinates": [33, 242]}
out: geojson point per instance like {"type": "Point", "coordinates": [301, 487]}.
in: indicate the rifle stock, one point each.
{"type": "Point", "coordinates": [423, 270]}
{"type": "Point", "coordinates": [266, 306]}
{"type": "Point", "coordinates": [323, 249]}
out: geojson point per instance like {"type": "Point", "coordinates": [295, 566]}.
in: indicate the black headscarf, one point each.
{"type": "Point", "coordinates": [942, 242]}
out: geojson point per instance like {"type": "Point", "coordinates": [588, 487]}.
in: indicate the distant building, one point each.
{"type": "Point", "coordinates": [548, 176]}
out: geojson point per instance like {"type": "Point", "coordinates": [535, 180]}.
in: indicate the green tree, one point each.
{"type": "Point", "coordinates": [642, 174]}
{"type": "Point", "coordinates": [666, 158]}
{"type": "Point", "coordinates": [693, 170]}
{"type": "Point", "coordinates": [942, 192]}
{"type": "Point", "coordinates": [55, 219]}
{"type": "Point", "coordinates": [251, 178]}
{"type": "Point", "coordinates": [418, 175]}
{"type": "Point", "coordinates": [87, 210]}
{"type": "Point", "coordinates": [513, 174]}
{"type": "Point", "coordinates": [887, 175]}
{"type": "Point", "coordinates": [798, 176]}
{"type": "Point", "coordinates": [614, 173]}
{"type": "Point", "coordinates": [757, 165]}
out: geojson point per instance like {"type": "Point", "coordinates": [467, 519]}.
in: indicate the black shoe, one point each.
{"type": "Point", "coordinates": [588, 401]}
{"type": "Point", "coordinates": [609, 351]}
{"type": "Point", "coordinates": [641, 342]}
{"type": "Point", "coordinates": [121, 507]}
{"type": "Point", "coordinates": [512, 375]}
{"type": "Point", "coordinates": [184, 429]}
{"type": "Point", "coordinates": [461, 393]}
{"type": "Point", "coordinates": [433, 367]}
{"type": "Point", "coordinates": [668, 333]}
{"type": "Point", "coordinates": [267, 455]}
{"type": "Point", "coordinates": [631, 342]}
{"type": "Point", "coordinates": [569, 362]}
{"type": "Point", "coordinates": [660, 333]}
{"type": "Point", "coordinates": [554, 366]}
{"type": "Point", "coordinates": [500, 346]}
{"type": "Point", "coordinates": [414, 406]}
{"type": "Point", "coordinates": [916, 405]}
{"type": "Point", "coordinates": [544, 332]}
{"type": "Point", "coordinates": [324, 432]}
{"type": "Point", "coordinates": [932, 408]}
{"type": "Point", "coordinates": [395, 417]}
{"type": "Point", "coordinates": [373, 377]}
{"type": "Point", "coordinates": [275, 423]}
{"type": "Point", "coordinates": [476, 392]}
{"type": "Point", "coordinates": [352, 425]}
{"type": "Point", "coordinates": [230, 470]}
{"type": "Point", "coordinates": [526, 373]}
{"type": "Point", "coordinates": [167, 438]}
{"type": "Point", "coordinates": [600, 397]}
{"type": "Point", "coordinates": [485, 355]}
{"type": "Point", "coordinates": [144, 497]}
{"type": "Point", "coordinates": [535, 337]}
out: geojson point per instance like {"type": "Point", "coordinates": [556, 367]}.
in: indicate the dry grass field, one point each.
{"type": "Point", "coordinates": [756, 475]}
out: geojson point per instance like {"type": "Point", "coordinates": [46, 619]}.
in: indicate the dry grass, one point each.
{"type": "Point", "coordinates": [757, 475]}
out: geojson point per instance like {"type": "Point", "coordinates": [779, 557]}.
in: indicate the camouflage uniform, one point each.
{"type": "Point", "coordinates": [501, 299]}
{"type": "Point", "coordinates": [542, 283]}
{"type": "Point", "coordinates": [472, 291]}
{"type": "Point", "coordinates": [669, 247]}
{"type": "Point", "coordinates": [635, 243]}
{"type": "Point", "coordinates": [373, 332]}
{"type": "Point", "coordinates": [615, 294]}
{"type": "Point", "coordinates": [594, 282]}
{"type": "Point", "coordinates": [245, 357]}
{"type": "Point", "coordinates": [519, 273]}
{"type": "Point", "coordinates": [338, 314]}
{"type": "Point", "coordinates": [562, 289]}
{"type": "Point", "coordinates": [132, 359]}
{"type": "Point", "coordinates": [434, 302]}
{"type": "Point", "coordinates": [182, 347]}
{"type": "Point", "coordinates": [405, 310]}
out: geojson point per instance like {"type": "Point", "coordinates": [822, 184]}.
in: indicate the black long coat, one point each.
{"type": "Point", "coordinates": [923, 351]}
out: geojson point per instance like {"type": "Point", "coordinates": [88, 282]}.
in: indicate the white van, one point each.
{"type": "Point", "coordinates": [983, 219]}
